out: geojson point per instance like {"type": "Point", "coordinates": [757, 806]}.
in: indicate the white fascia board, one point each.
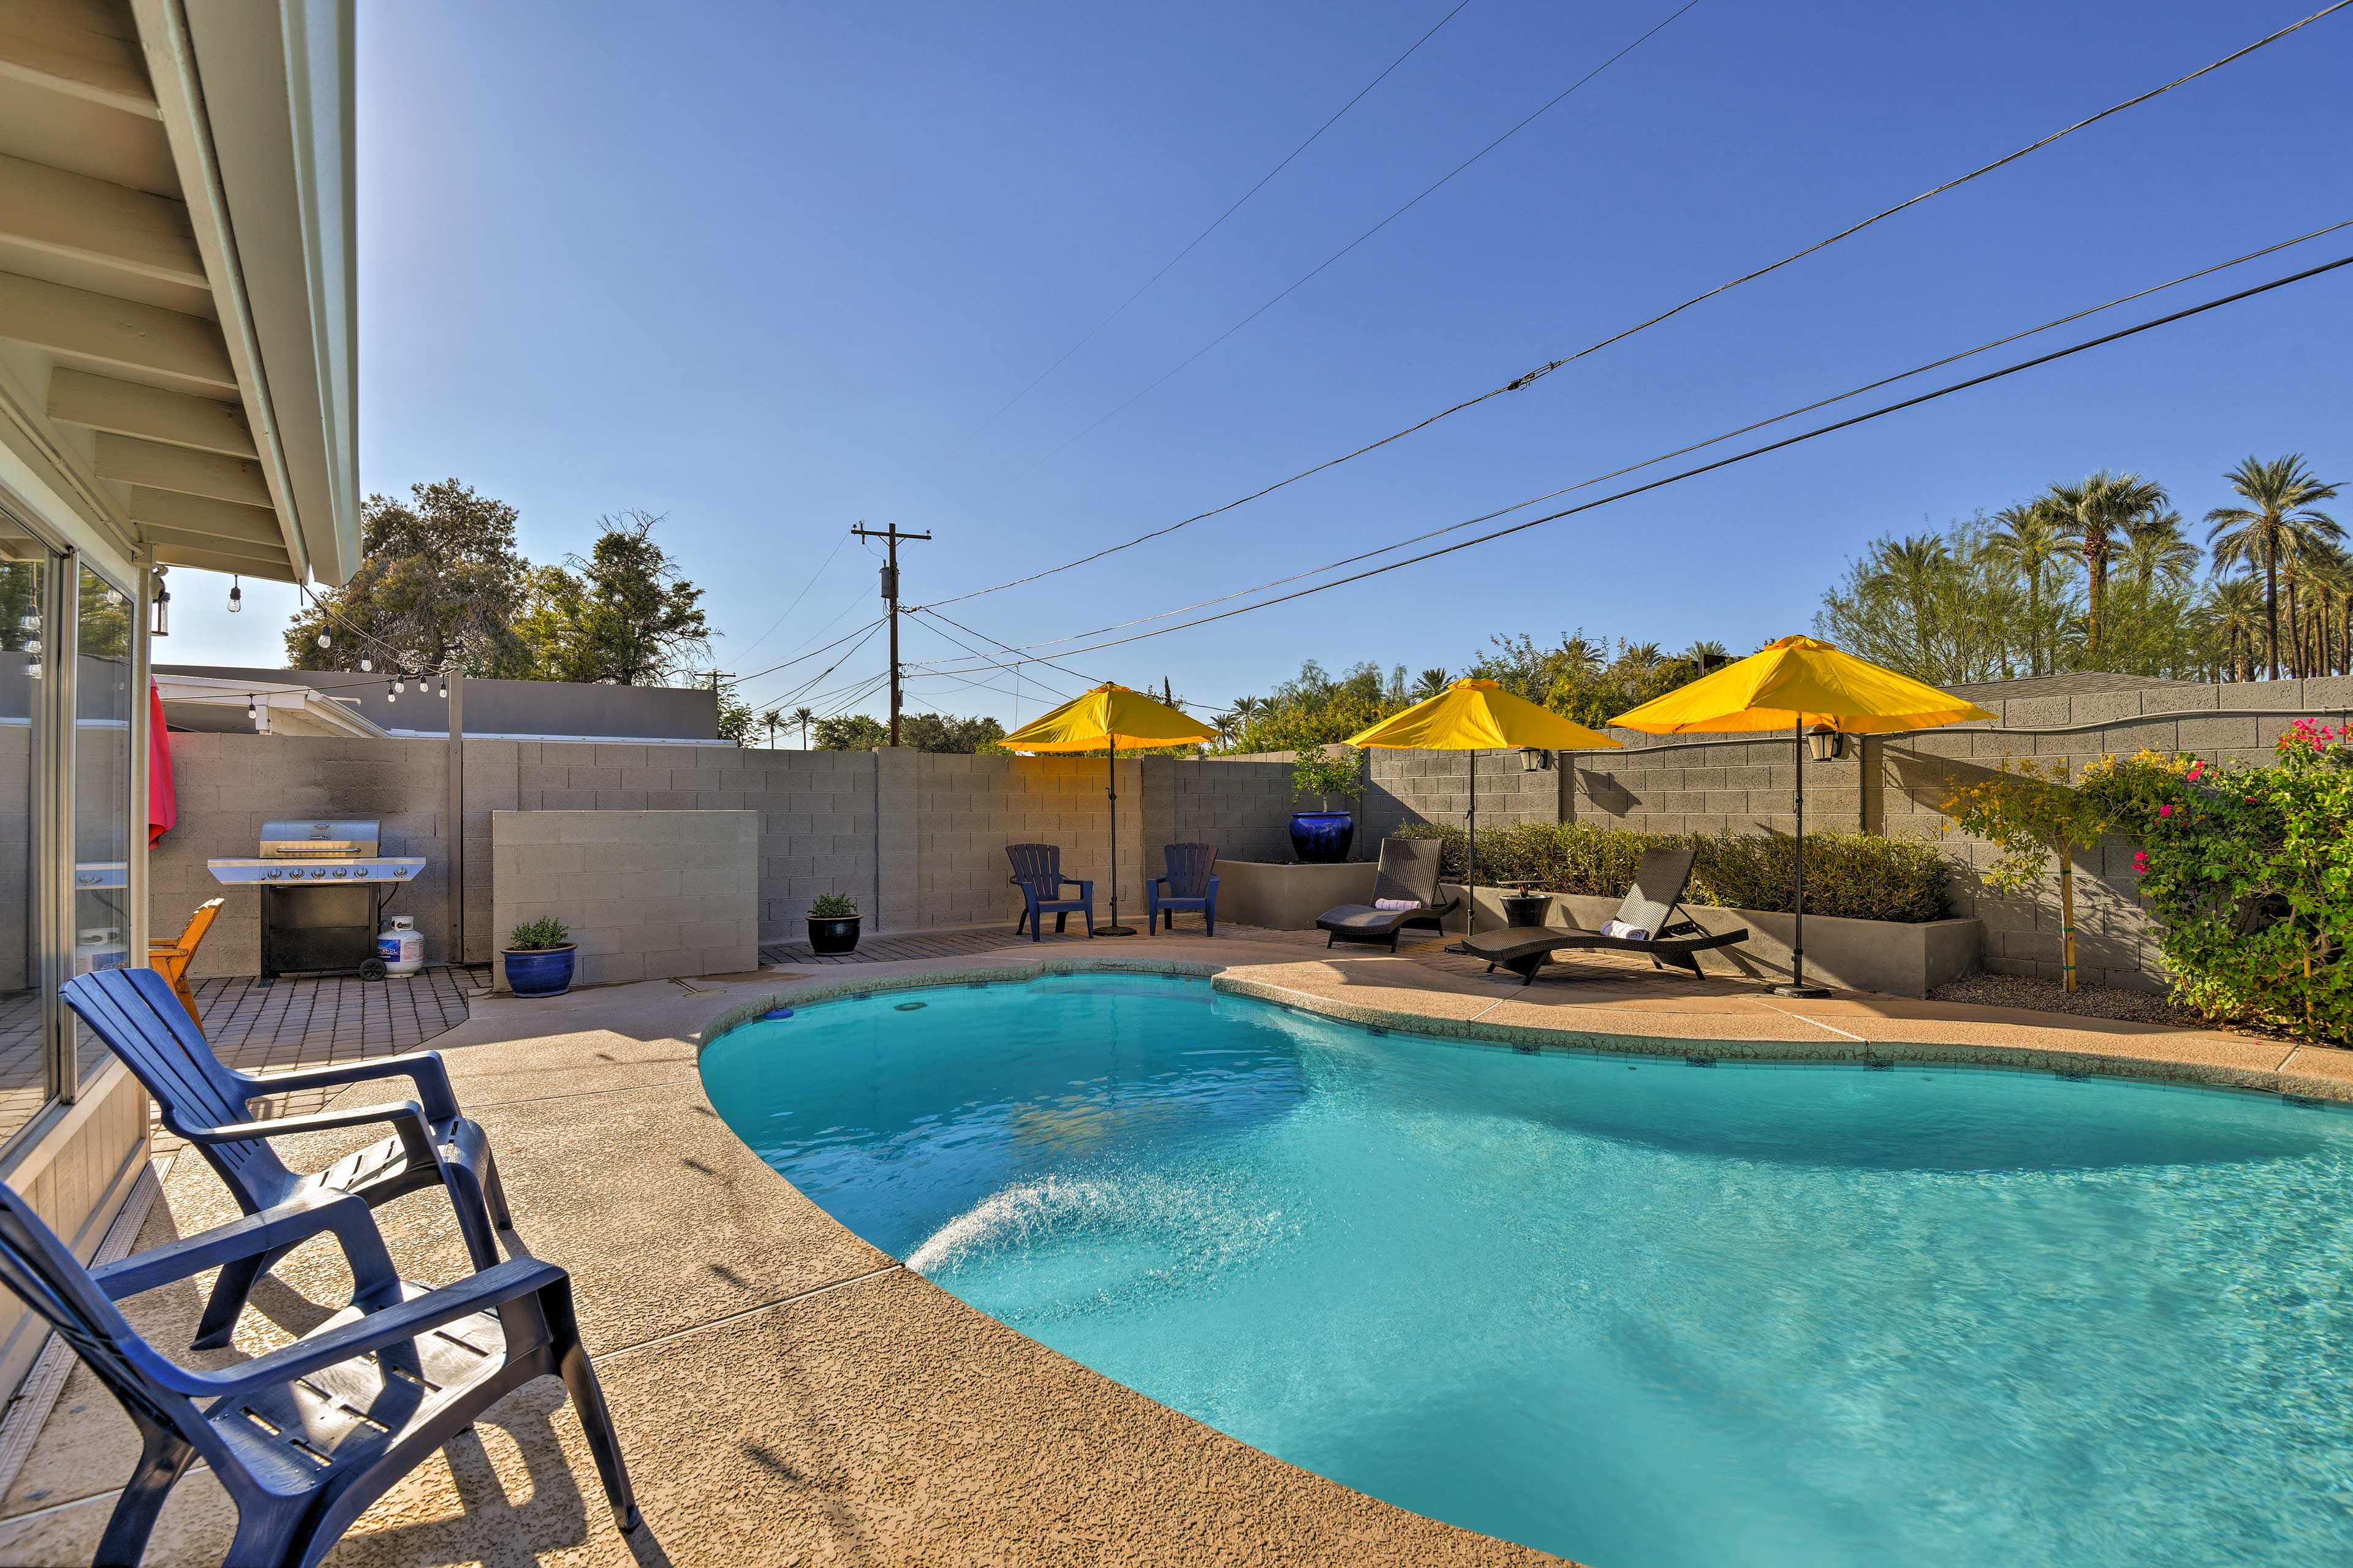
{"type": "Point", "coordinates": [258, 96]}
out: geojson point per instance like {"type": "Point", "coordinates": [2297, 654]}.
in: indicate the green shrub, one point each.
{"type": "Point", "coordinates": [1859, 875]}
{"type": "Point", "coordinates": [832, 907]}
{"type": "Point", "coordinates": [539, 935]}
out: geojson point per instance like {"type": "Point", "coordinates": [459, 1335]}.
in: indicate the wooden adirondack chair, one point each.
{"type": "Point", "coordinates": [171, 959]}
{"type": "Point", "coordinates": [305, 1438]}
{"type": "Point", "coordinates": [133, 1011]}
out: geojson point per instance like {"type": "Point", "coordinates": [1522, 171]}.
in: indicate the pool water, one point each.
{"type": "Point", "coordinates": [1641, 1312]}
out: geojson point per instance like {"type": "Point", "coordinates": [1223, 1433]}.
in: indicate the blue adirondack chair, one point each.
{"type": "Point", "coordinates": [136, 1014]}
{"type": "Point", "coordinates": [1189, 886]}
{"type": "Point", "coordinates": [1038, 872]}
{"type": "Point", "coordinates": [305, 1438]}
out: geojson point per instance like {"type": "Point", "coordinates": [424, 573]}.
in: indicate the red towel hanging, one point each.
{"type": "Point", "coordinates": [162, 803]}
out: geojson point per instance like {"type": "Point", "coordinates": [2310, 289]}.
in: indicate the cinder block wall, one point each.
{"type": "Point", "coordinates": [648, 895]}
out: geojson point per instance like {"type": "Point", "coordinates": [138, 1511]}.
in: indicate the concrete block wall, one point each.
{"type": "Point", "coordinates": [1242, 807]}
{"type": "Point", "coordinates": [970, 808]}
{"type": "Point", "coordinates": [648, 895]}
{"type": "Point", "coordinates": [1435, 786]}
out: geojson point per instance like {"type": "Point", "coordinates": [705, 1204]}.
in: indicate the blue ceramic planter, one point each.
{"type": "Point", "coordinates": [546, 972]}
{"type": "Point", "coordinates": [1321, 838]}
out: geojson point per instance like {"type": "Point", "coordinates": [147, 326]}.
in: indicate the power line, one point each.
{"type": "Point", "coordinates": [1803, 436]}
{"type": "Point", "coordinates": [788, 609]}
{"type": "Point", "coordinates": [804, 657]}
{"type": "Point", "coordinates": [1691, 447]}
{"type": "Point", "coordinates": [1426, 192]}
{"type": "Point", "coordinates": [925, 672]}
{"type": "Point", "coordinates": [1213, 228]}
{"type": "Point", "coordinates": [804, 688]}
{"type": "Point", "coordinates": [1523, 380]}
{"type": "Point", "coordinates": [1074, 674]}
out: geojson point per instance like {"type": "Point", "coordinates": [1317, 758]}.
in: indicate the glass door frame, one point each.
{"type": "Point", "coordinates": [52, 838]}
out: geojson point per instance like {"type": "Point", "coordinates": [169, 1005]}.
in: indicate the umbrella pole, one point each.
{"type": "Point", "coordinates": [1797, 987]}
{"type": "Point", "coordinates": [1111, 789]}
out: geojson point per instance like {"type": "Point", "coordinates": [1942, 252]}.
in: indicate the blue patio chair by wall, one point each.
{"type": "Point", "coordinates": [1038, 872]}
{"type": "Point", "coordinates": [136, 1014]}
{"type": "Point", "coordinates": [305, 1438]}
{"type": "Point", "coordinates": [1188, 886]}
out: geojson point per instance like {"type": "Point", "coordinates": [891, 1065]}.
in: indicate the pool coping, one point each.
{"type": "Point", "coordinates": [2116, 1059]}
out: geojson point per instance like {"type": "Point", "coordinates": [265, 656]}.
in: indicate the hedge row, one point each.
{"type": "Point", "coordinates": [1860, 876]}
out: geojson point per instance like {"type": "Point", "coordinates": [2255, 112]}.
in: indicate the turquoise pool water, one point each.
{"type": "Point", "coordinates": [1644, 1313]}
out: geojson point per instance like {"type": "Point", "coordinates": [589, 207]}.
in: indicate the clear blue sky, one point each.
{"type": "Point", "coordinates": [769, 269]}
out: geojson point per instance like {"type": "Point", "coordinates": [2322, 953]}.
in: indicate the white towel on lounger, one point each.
{"type": "Point", "coordinates": [1397, 903]}
{"type": "Point", "coordinates": [1618, 928]}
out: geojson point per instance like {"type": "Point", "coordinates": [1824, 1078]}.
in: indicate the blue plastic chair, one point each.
{"type": "Point", "coordinates": [136, 1014]}
{"type": "Point", "coordinates": [1190, 887]}
{"type": "Point", "coordinates": [1038, 872]}
{"type": "Point", "coordinates": [305, 1438]}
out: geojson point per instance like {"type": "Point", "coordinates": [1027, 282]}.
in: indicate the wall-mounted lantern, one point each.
{"type": "Point", "coordinates": [1829, 744]}
{"type": "Point", "coordinates": [1534, 759]}
{"type": "Point", "coordinates": [158, 620]}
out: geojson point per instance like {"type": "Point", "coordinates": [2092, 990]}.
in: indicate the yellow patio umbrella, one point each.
{"type": "Point", "coordinates": [1108, 717]}
{"type": "Point", "coordinates": [1476, 715]}
{"type": "Point", "coordinates": [1816, 693]}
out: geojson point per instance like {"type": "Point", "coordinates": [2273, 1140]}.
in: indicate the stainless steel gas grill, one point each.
{"type": "Point", "coordinates": [323, 889]}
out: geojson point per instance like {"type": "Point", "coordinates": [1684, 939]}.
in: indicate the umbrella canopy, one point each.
{"type": "Point", "coordinates": [1474, 715]}
{"type": "Point", "coordinates": [1801, 683]}
{"type": "Point", "coordinates": [1109, 716]}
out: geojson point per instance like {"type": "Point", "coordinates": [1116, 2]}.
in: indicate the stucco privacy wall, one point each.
{"type": "Point", "coordinates": [1894, 786]}
{"type": "Point", "coordinates": [647, 895]}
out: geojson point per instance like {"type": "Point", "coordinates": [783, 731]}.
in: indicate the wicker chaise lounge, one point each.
{"type": "Point", "coordinates": [1651, 905]}
{"type": "Point", "coordinates": [1409, 871]}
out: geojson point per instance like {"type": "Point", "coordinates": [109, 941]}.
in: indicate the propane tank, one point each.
{"type": "Point", "coordinates": [401, 946]}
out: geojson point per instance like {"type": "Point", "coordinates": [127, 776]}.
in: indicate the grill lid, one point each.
{"type": "Point", "coordinates": [315, 840]}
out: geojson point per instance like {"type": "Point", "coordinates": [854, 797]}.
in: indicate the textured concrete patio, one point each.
{"type": "Point", "coordinates": [787, 1394]}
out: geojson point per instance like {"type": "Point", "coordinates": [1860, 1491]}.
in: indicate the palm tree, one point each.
{"type": "Point", "coordinates": [2157, 553]}
{"type": "Point", "coordinates": [1429, 684]}
{"type": "Point", "coordinates": [2278, 519]}
{"type": "Point", "coordinates": [1912, 571]}
{"type": "Point", "coordinates": [772, 717]}
{"type": "Point", "coordinates": [2029, 540]}
{"type": "Point", "coordinates": [1580, 655]}
{"type": "Point", "coordinates": [1706, 653]}
{"type": "Point", "coordinates": [2234, 611]}
{"type": "Point", "coordinates": [804, 717]}
{"type": "Point", "coordinates": [2096, 511]}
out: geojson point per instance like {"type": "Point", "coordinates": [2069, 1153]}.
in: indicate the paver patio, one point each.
{"type": "Point", "coordinates": [788, 1394]}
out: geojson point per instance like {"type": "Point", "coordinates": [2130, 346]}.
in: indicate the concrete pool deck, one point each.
{"type": "Point", "coordinates": [786, 1395]}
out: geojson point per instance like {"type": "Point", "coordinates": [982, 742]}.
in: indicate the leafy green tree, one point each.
{"type": "Point", "coordinates": [945, 732]}
{"type": "Point", "coordinates": [622, 617]}
{"type": "Point", "coordinates": [2279, 519]}
{"type": "Point", "coordinates": [439, 580]}
{"type": "Point", "coordinates": [736, 720]}
{"type": "Point", "coordinates": [1316, 708]}
{"type": "Point", "coordinates": [851, 732]}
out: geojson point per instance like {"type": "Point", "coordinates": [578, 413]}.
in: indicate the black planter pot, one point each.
{"type": "Point", "coordinates": [1321, 838]}
{"type": "Point", "coordinates": [1527, 910]}
{"type": "Point", "coordinates": [833, 933]}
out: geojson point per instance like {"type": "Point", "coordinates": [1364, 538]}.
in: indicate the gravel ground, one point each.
{"type": "Point", "coordinates": [2049, 997]}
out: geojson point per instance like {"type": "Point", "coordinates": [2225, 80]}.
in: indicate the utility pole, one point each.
{"type": "Point", "coordinates": [891, 595]}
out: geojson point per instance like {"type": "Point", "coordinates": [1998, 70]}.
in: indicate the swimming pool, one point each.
{"type": "Point", "coordinates": [1641, 1312]}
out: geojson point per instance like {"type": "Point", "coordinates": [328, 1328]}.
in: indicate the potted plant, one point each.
{"type": "Point", "coordinates": [539, 956]}
{"type": "Point", "coordinates": [1321, 837]}
{"type": "Point", "coordinates": [833, 923]}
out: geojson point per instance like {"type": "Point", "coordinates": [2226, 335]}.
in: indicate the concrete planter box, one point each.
{"type": "Point", "coordinates": [1888, 957]}
{"type": "Point", "coordinates": [1286, 897]}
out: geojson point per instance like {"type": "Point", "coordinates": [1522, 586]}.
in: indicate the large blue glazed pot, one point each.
{"type": "Point", "coordinates": [541, 972]}
{"type": "Point", "coordinates": [1321, 838]}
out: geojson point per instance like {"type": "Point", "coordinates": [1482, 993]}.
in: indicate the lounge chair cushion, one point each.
{"type": "Point", "coordinates": [1353, 918]}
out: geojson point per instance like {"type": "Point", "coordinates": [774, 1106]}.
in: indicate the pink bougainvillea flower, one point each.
{"type": "Point", "coordinates": [2196, 768]}
{"type": "Point", "coordinates": [2165, 811]}
{"type": "Point", "coordinates": [2140, 863]}
{"type": "Point", "coordinates": [2250, 800]}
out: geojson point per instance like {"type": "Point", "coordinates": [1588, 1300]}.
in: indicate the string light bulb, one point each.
{"type": "Point", "coordinates": [398, 684]}
{"type": "Point", "coordinates": [326, 641]}
{"type": "Point", "coordinates": [235, 594]}
{"type": "Point", "coordinates": [392, 692]}
{"type": "Point", "coordinates": [367, 665]}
